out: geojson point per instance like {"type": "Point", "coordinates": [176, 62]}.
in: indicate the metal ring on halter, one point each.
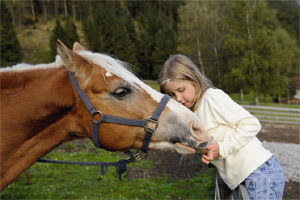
{"type": "Point", "coordinates": [151, 120]}
{"type": "Point", "coordinates": [95, 113]}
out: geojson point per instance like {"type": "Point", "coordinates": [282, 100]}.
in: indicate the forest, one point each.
{"type": "Point", "coordinates": [245, 46]}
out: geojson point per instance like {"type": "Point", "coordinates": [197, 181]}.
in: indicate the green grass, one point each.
{"type": "Point", "coordinates": [53, 181]}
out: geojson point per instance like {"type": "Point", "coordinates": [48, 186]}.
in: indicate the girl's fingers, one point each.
{"type": "Point", "coordinates": [205, 161]}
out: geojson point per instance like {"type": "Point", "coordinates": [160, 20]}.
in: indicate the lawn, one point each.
{"type": "Point", "coordinates": [53, 181]}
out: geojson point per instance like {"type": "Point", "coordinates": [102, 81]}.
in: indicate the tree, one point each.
{"type": "Point", "coordinates": [10, 46]}
{"type": "Point", "coordinates": [156, 35]}
{"type": "Point", "coordinates": [57, 33]}
{"type": "Point", "coordinates": [71, 33]}
{"type": "Point", "coordinates": [200, 35]}
{"type": "Point", "coordinates": [255, 49]}
{"type": "Point", "coordinates": [110, 30]}
{"type": "Point", "coordinates": [164, 45]}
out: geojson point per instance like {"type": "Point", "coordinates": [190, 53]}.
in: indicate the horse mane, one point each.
{"type": "Point", "coordinates": [112, 65]}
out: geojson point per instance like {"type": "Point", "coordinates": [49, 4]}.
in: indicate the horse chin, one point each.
{"type": "Point", "coordinates": [183, 149]}
{"type": "Point", "coordinates": [179, 148]}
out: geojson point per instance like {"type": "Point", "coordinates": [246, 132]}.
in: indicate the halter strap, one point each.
{"type": "Point", "coordinates": [120, 120]}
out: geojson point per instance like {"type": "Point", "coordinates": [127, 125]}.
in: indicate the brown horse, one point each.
{"type": "Point", "coordinates": [40, 109]}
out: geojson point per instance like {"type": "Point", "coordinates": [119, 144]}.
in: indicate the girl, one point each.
{"type": "Point", "coordinates": [233, 146]}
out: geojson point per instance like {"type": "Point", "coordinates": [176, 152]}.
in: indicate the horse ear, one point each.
{"type": "Point", "coordinates": [77, 47]}
{"type": "Point", "coordinates": [73, 62]}
{"type": "Point", "coordinates": [65, 55]}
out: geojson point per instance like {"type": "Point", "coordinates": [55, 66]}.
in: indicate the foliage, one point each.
{"type": "Point", "coordinates": [110, 30]}
{"type": "Point", "coordinates": [156, 36]}
{"type": "Point", "coordinates": [202, 44]}
{"type": "Point", "coordinates": [57, 33]}
{"type": "Point", "coordinates": [71, 33]}
{"type": "Point", "coordinates": [254, 47]}
{"type": "Point", "coordinates": [287, 13]}
{"type": "Point", "coordinates": [240, 44]}
{"type": "Point", "coordinates": [67, 35]}
{"type": "Point", "coordinates": [50, 181]}
{"type": "Point", "coordinates": [10, 46]}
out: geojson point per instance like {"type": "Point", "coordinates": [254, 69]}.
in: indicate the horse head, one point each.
{"type": "Point", "coordinates": [113, 89]}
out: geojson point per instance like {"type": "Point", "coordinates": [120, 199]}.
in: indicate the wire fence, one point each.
{"type": "Point", "coordinates": [275, 114]}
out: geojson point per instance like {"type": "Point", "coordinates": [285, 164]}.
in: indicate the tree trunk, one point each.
{"type": "Point", "coordinates": [32, 9]}
{"type": "Point", "coordinates": [198, 42]}
{"type": "Point", "coordinates": [55, 7]}
{"type": "Point", "coordinates": [287, 95]}
{"type": "Point", "coordinates": [45, 4]}
{"type": "Point", "coordinates": [74, 10]}
{"type": "Point", "coordinates": [241, 95]}
{"type": "Point", "coordinates": [256, 98]}
{"type": "Point", "coordinates": [66, 8]}
{"type": "Point", "coordinates": [218, 66]}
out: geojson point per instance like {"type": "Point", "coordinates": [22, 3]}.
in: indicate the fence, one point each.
{"type": "Point", "coordinates": [275, 114]}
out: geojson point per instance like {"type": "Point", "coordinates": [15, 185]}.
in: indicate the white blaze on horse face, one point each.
{"type": "Point", "coordinates": [108, 74]}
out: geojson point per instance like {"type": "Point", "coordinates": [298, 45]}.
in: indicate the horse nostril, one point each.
{"type": "Point", "coordinates": [202, 145]}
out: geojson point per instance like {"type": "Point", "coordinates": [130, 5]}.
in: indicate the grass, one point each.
{"type": "Point", "coordinates": [52, 181]}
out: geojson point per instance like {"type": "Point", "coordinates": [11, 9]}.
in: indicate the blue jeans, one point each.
{"type": "Point", "coordinates": [266, 182]}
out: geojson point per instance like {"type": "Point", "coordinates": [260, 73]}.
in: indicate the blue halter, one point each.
{"type": "Point", "coordinates": [119, 120]}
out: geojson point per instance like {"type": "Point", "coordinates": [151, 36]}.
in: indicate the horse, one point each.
{"type": "Point", "coordinates": [41, 109]}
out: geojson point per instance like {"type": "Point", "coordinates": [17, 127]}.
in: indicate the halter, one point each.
{"type": "Point", "coordinates": [119, 120]}
{"type": "Point", "coordinates": [146, 123]}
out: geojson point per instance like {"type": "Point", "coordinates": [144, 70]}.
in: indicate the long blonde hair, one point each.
{"type": "Point", "coordinates": [180, 67]}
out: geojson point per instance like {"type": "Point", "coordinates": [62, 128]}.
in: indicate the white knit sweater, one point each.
{"type": "Point", "coordinates": [235, 130]}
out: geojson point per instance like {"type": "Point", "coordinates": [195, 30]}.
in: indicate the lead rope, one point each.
{"type": "Point", "coordinates": [119, 165]}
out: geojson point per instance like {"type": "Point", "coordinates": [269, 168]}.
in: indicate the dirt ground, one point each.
{"type": "Point", "coordinates": [178, 166]}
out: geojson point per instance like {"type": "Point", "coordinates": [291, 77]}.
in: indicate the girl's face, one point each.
{"type": "Point", "coordinates": [182, 91]}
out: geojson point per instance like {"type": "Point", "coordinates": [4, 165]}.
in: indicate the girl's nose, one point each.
{"type": "Point", "coordinates": [178, 98]}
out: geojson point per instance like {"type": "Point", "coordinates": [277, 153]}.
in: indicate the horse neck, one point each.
{"type": "Point", "coordinates": [35, 117]}
{"type": "Point", "coordinates": [33, 100]}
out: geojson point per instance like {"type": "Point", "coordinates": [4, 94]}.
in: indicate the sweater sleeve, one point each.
{"type": "Point", "coordinates": [226, 112]}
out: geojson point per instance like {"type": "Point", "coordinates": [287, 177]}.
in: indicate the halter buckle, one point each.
{"type": "Point", "coordinates": [151, 124]}
{"type": "Point", "coordinates": [134, 158]}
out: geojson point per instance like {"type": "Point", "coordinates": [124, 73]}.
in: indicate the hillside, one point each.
{"type": "Point", "coordinates": [34, 41]}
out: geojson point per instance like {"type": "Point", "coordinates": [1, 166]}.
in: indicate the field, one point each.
{"type": "Point", "coordinates": [143, 180]}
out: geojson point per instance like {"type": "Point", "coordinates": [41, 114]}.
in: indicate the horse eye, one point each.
{"type": "Point", "coordinates": [121, 92]}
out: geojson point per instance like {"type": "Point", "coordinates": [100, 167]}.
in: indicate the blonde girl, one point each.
{"type": "Point", "coordinates": [233, 146]}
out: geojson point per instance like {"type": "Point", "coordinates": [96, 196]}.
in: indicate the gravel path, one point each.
{"type": "Point", "coordinates": [288, 156]}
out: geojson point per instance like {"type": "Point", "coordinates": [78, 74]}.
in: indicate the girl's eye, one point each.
{"type": "Point", "coordinates": [121, 92]}
{"type": "Point", "coordinates": [181, 89]}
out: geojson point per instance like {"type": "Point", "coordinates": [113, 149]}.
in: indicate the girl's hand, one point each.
{"type": "Point", "coordinates": [212, 153]}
